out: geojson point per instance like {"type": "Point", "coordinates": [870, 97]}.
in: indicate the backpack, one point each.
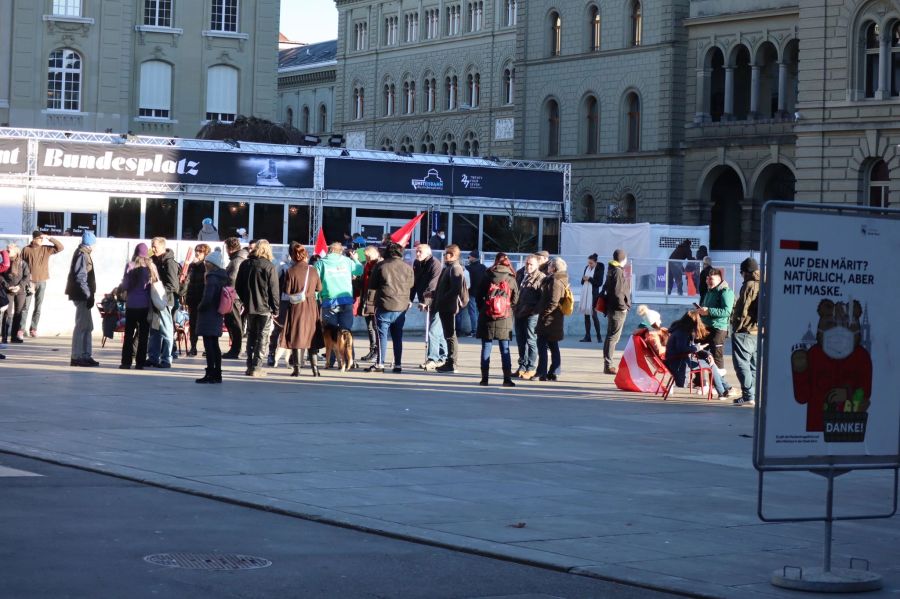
{"type": "Point", "coordinates": [226, 300]}
{"type": "Point", "coordinates": [567, 302]}
{"type": "Point", "coordinates": [496, 305]}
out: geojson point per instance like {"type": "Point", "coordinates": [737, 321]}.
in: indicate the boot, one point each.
{"type": "Point", "coordinates": [280, 352]}
{"type": "Point", "coordinates": [314, 363]}
{"type": "Point", "coordinates": [507, 378]}
{"type": "Point", "coordinates": [369, 356]}
{"type": "Point", "coordinates": [485, 372]}
{"type": "Point", "coordinates": [217, 377]}
{"type": "Point", "coordinates": [295, 360]}
{"type": "Point", "coordinates": [207, 378]}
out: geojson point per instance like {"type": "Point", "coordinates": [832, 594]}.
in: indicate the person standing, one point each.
{"type": "Point", "coordinates": [550, 325]}
{"type": "Point", "coordinates": [388, 293]}
{"type": "Point", "coordinates": [366, 307]}
{"type": "Point", "coordinates": [209, 321]}
{"type": "Point", "coordinates": [159, 347]}
{"type": "Point", "coordinates": [745, 324]}
{"type": "Point", "coordinates": [707, 266]}
{"type": "Point", "coordinates": [81, 285]}
{"type": "Point", "coordinates": [208, 232]}
{"type": "Point", "coordinates": [257, 286]}
{"type": "Point", "coordinates": [676, 266]}
{"type": "Point", "coordinates": [617, 292]}
{"type": "Point", "coordinates": [196, 276]}
{"type": "Point", "coordinates": [301, 285]}
{"type": "Point", "coordinates": [496, 295]}
{"type": "Point", "coordinates": [476, 272]}
{"type": "Point", "coordinates": [450, 295]}
{"type": "Point", "coordinates": [17, 279]}
{"type": "Point", "coordinates": [528, 279]}
{"type": "Point", "coordinates": [438, 240]}
{"type": "Point", "coordinates": [591, 280]}
{"type": "Point", "coordinates": [140, 274]}
{"type": "Point", "coordinates": [427, 271]}
{"type": "Point", "coordinates": [336, 272]}
{"type": "Point", "coordinates": [234, 322]}
{"type": "Point", "coordinates": [37, 256]}
{"type": "Point", "coordinates": [715, 310]}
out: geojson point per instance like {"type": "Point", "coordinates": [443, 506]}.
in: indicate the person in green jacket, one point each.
{"type": "Point", "coordinates": [337, 272]}
{"type": "Point", "coordinates": [715, 311]}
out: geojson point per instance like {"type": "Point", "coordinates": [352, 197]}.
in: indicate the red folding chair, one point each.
{"type": "Point", "coordinates": [703, 372]}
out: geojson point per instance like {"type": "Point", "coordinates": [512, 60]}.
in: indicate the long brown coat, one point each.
{"type": "Point", "coordinates": [550, 317]}
{"type": "Point", "coordinates": [300, 320]}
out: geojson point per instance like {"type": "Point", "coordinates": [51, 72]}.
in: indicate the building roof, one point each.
{"type": "Point", "coordinates": [308, 55]}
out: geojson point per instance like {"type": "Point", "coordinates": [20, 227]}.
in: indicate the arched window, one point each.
{"type": "Point", "coordinates": [409, 96]}
{"type": "Point", "coordinates": [473, 89]}
{"type": "Point", "coordinates": [390, 92]}
{"type": "Point", "coordinates": [717, 85]}
{"type": "Point", "coordinates": [633, 123]}
{"type": "Point", "coordinates": [64, 80]}
{"type": "Point", "coordinates": [629, 209]}
{"type": "Point", "coordinates": [406, 145]}
{"type": "Point", "coordinates": [510, 9]}
{"type": "Point", "coordinates": [470, 144]}
{"type": "Point", "coordinates": [156, 90]}
{"type": "Point", "coordinates": [879, 185]}
{"type": "Point", "coordinates": [450, 90]}
{"type": "Point", "coordinates": [555, 34]}
{"type": "Point", "coordinates": [509, 80]}
{"type": "Point", "coordinates": [588, 208]}
{"type": "Point", "coordinates": [448, 145]}
{"type": "Point", "coordinates": [323, 119]}
{"type": "Point", "coordinates": [637, 23]}
{"type": "Point", "coordinates": [428, 144]}
{"type": "Point", "coordinates": [358, 102]}
{"type": "Point", "coordinates": [595, 29]}
{"type": "Point", "coordinates": [551, 115]}
{"type": "Point", "coordinates": [895, 59]}
{"type": "Point", "coordinates": [387, 145]}
{"type": "Point", "coordinates": [873, 47]}
{"type": "Point", "coordinates": [592, 125]}
{"type": "Point", "coordinates": [430, 94]}
{"type": "Point", "coordinates": [304, 119]}
{"type": "Point", "coordinates": [221, 93]}
{"type": "Point", "coordinates": [289, 116]}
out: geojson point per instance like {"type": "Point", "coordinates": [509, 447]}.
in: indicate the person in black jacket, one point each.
{"type": "Point", "coordinates": [16, 280]}
{"type": "Point", "coordinates": [617, 292]}
{"type": "Point", "coordinates": [257, 286]}
{"type": "Point", "coordinates": [209, 321]}
{"type": "Point", "coordinates": [81, 286]}
{"type": "Point", "coordinates": [234, 321]}
{"type": "Point", "coordinates": [476, 272]}
{"type": "Point", "coordinates": [497, 327]}
{"type": "Point", "coordinates": [450, 295]}
{"type": "Point", "coordinates": [426, 271]}
{"type": "Point", "coordinates": [388, 293]}
{"type": "Point", "coordinates": [196, 277]}
{"type": "Point", "coordinates": [591, 281]}
{"type": "Point", "coordinates": [676, 266]}
{"type": "Point", "coordinates": [162, 332]}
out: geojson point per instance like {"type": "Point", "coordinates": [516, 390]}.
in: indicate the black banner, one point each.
{"type": "Point", "coordinates": [443, 180]}
{"type": "Point", "coordinates": [173, 165]}
{"type": "Point", "coordinates": [13, 156]}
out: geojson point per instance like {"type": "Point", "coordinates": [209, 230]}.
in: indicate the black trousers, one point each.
{"type": "Point", "coordinates": [587, 325]}
{"type": "Point", "coordinates": [235, 326]}
{"type": "Point", "coordinates": [193, 316]}
{"type": "Point", "coordinates": [259, 328]}
{"type": "Point", "coordinates": [137, 331]}
{"type": "Point", "coordinates": [12, 318]}
{"type": "Point", "coordinates": [716, 340]}
{"type": "Point", "coordinates": [448, 323]}
{"type": "Point", "coordinates": [213, 355]}
{"type": "Point", "coordinates": [372, 329]}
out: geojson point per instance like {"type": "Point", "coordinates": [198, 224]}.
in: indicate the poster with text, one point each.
{"type": "Point", "coordinates": [832, 358]}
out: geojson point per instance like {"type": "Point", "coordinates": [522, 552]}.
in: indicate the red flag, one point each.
{"type": "Point", "coordinates": [403, 234]}
{"type": "Point", "coordinates": [321, 247]}
{"type": "Point", "coordinates": [188, 259]}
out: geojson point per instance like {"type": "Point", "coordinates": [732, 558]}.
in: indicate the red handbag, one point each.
{"type": "Point", "coordinates": [600, 305]}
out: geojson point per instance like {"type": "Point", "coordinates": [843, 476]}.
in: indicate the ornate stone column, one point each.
{"type": "Point", "coordinates": [754, 92]}
{"type": "Point", "coordinates": [884, 72]}
{"type": "Point", "coordinates": [782, 88]}
{"type": "Point", "coordinates": [729, 94]}
{"type": "Point", "coordinates": [701, 114]}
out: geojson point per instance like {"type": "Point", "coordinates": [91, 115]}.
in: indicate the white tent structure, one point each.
{"type": "Point", "coordinates": [639, 240]}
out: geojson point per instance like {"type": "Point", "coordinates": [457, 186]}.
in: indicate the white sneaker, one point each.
{"type": "Point", "coordinates": [722, 372]}
{"type": "Point", "coordinates": [731, 393]}
{"type": "Point", "coordinates": [429, 365]}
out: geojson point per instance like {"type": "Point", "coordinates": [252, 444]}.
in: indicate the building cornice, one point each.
{"type": "Point", "coordinates": [742, 16]}
{"type": "Point", "coordinates": [306, 67]}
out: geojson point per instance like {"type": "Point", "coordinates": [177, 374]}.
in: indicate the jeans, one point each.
{"type": "Point", "coordinates": [38, 299]}
{"type": "Point", "coordinates": [743, 356]}
{"type": "Point", "coordinates": [543, 344]}
{"type": "Point", "coordinates": [137, 332]}
{"type": "Point", "coordinates": [235, 326]}
{"type": "Point", "coordinates": [718, 382]}
{"type": "Point", "coordinates": [259, 328]}
{"type": "Point", "coordinates": [505, 360]}
{"type": "Point", "coordinates": [448, 323]}
{"type": "Point", "coordinates": [390, 322]}
{"type": "Point", "coordinates": [338, 316]}
{"type": "Point", "coordinates": [12, 318]}
{"type": "Point", "coordinates": [526, 338]}
{"type": "Point", "coordinates": [472, 310]}
{"type": "Point", "coordinates": [213, 355]}
{"type": "Point", "coordinates": [437, 345]}
{"type": "Point", "coordinates": [159, 347]}
{"type": "Point", "coordinates": [81, 335]}
{"type": "Point", "coordinates": [615, 322]}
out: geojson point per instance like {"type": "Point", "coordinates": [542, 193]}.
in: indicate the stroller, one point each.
{"type": "Point", "coordinates": [112, 315]}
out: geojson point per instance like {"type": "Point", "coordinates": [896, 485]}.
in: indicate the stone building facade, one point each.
{"type": "Point", "coordinates": [306, 87]}
{"type": "Point", "coordinates": [154, 67]}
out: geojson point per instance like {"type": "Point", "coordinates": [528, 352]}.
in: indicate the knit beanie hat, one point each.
{"type": "Point", "coordinates": [216, 258]}
{"type": "Point", "coordinates": [141, 250]}
{"type": "Point", "coordinates": [749, 265]}
{"type": "Point", "coordinates": [88, 238]}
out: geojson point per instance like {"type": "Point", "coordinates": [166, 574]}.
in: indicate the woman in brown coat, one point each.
{"type": "Point", "coordinates": [550, 325]}
{"type": "Point", "coordinates": [300, 281]}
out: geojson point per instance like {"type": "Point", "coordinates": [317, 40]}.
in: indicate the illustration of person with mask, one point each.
{"type": "Point", "coordinates": [833, 378]}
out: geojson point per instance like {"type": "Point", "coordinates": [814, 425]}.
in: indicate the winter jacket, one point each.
{"type": "Point", "coordinates": [38, 255]}
{"type": "Point", "coordinates": [257, 286]}
{"type": "Point", "coordinates": [81, 284]}
{"type": "Point", "coordinates": [167, 269]}
{"type": "Point", "coordinates": [436, 243]}
{"type": "Point", "coordinates": [136, 284]}
{"type": "Point", "coordinates": [337, 272]}
{"type": "Point", "coordinates": [301, 321]}
{"type": "Point", "coordinates": [529, 292]}
{"type": "Point", "coordinates": [4, 261]}
{"type": "Point", "coordinates": [616, 289]}
{"type": "Point", "coordinates": [366, 305]}
{"type": "Point", "coordinates": [196, 277]}
{"type": "Point", "coordinates": [501, 328]}
{"type": "Point", "coordinates": [720, 301]}
{"type": "Point", "coordinates": [18, 275]}
{"type": "Point", "coordinates": [450, 288]}
{"type": "Point", "coordinates": [702, 287]}
{"type": "Point", "coordinates": [208, 233]}
{"type": "Point", "coordinates": [426, 274]}
{"type": "Point", "coordinates": [390, 285]}
{"type": "Point", "coordinates": [550, 323]}
{"type": "Point", "coordinates": [680, 359]}
{"type": "Point", "coordinates": [209, 321]}
{"type": "Point", "coordinates": [744, 316]}
{"type": "Point", "coordinates": [596, 281]}
{"type": "Point", "coordinates": [476, 273]}
{"type": "Point", "coordinates": [234, 263]}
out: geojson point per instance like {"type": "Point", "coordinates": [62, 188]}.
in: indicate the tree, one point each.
{"type": "Point", "coordinates": [252, 129]}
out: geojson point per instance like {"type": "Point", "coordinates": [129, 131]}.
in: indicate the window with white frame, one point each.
{"type": "Point", "coordinates": [595, 25]}
{"type": "Point", "coordinates": [432, 24]}
{"type": "Point", "coordinates": [450, 89]}
{"type": "Point", "coordinates": [390, 31]}
{"type": "Point", "coordinates": [156, 90]}
{"type": "Point", "coordinates": [409, 96]}
{"type": "Point", "coordinates": [360, 35]}
{"type": "Point", "coordinates": [454, 19]}
{"type": "Point", "coordinates": [473, 90]}
{"type": "Point", "coordinates": [879, 185]}
{"type": "Point", "coordinates": [323, 119]}
{"type": "Point", "coordinates": [411, 25]}
{"type": "Point", "coordinates": [637, 23]}
{"type": "Point", "coordinates": [64, 80]}
{"type": "Point", "coordinates": [509, 80]}
{"type": "Point", "coordinates": [430, 94]}
{"type": "Point", "coordinates": [555, 34]}
{"type": "Point", "coordinates": [158, 13]}
{"type": "Point", "coordinates": [304, 119]}
{"type": "Point", "coordinates": [390, 95]}
{"type": "Point", "coordinates": [221, 93]}
{"type": "Point", "coordinates": [511, 9]}
{"type": "Point", "coordinates": [359, 93]}
{"type": "Point", "coordinates": [224, 15]}
{"type": "Point", "coordinates": [67, 8]}
{"type": "Point", "coordinates": [475, 16]}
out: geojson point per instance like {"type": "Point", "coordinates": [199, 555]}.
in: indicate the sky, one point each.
{"type": "Point", "coordinates": [309, 21]}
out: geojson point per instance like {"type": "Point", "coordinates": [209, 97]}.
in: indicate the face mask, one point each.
{"type": "Point", "coordinates": [624, 261]}
{"type": "Point", "coordinates": [837, 343]}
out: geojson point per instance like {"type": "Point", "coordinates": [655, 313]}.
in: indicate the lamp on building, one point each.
{"type": "Point", "coordinates": [336, 140]}
{"type": "Point", "coordinates": [310, 140]}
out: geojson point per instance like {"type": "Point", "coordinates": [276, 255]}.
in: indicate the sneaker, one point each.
{"type": "Point", "coordinates": [722, 372]}
{"type": "Point", "coordinates": [149, 364]}
{"type": "Point", "coordinates": [230, 356]}
{"type": "Point", "coordinates": [369, 356]}
{"type": "Point", "coordinates": [740, 401]}
{"type": "Point", "coordinates": [584, 340]}
{"type": "Point", "coordinates": [259, 373]}
{"type": "Point", "coordinates": [730, 393]}
{"type": "Point", "coordinates": [124, 366]}
{"type": "Point", "coordinates": [610, 370]}
{"type": "Point", "coordinates": [375, 368]}
{"type": "Point", "coordinates": [529, 375]}
{"type": "Point", "coordinates": [396, 370]}
{"type": "Point", "coordinates": [446, 367]}
{"type": "Point", "coordinates": [162, 365]}
{"type": "Point", "coordinates": [429, 366]}
{"type": "Point", "coordinates": [90, 362]}
{"type": "Point", "coordinates": [17, 340]}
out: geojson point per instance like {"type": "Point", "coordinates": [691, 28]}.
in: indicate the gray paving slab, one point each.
{"type": "Point", "coordinates": [576, 474]}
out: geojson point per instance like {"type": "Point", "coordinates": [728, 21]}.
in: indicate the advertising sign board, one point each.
{"type": "Point", "coordinates": [13, 156]}
{"type": "Point", "coordinates": [828, 391]}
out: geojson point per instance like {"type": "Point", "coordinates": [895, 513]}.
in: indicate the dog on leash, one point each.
{"type": "Point", "coordinates": [339, 341]}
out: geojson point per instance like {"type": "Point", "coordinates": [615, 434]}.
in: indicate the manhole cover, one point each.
{"type": "Point", "coordinates": [207, 561]}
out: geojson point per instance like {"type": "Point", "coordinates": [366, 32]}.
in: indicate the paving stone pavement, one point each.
{"type": "Point", "coordinates": [572, 474]}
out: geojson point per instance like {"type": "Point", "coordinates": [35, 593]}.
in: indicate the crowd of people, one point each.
{"type": "Point", "coordinates": [293, 310]}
